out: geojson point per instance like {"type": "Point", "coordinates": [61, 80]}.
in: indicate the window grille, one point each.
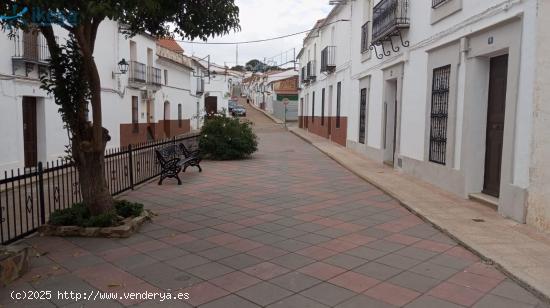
{"type": "Point", "coordinates": [439, 114]}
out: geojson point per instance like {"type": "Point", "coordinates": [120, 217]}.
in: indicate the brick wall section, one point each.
{"type": "Point", "coordinates": [337, 135]}
{"type": "Point", "coordinates": [316, 128]}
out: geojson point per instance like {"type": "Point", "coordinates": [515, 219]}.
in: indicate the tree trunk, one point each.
{"type": "Point", "coordinates": [93, 186]}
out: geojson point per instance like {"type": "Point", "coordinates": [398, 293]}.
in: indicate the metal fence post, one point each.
{"type": "Point", "coordinates": [131, 166]}
{"type": "Point", "coordinates": [41, 202]}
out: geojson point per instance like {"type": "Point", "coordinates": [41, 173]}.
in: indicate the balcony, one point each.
{"type": "Point", "coordinates": [365, 38]}
{"type": "Point", "coordinates": [304, 75]}
{"type": "Point", "coordinates": [311, 74]}
{"type": "Point", "coordinates": [328, 59]}
{"type": "Point", "coordinates": [30, 51]}
{"type": "Point", "coordinates": [437, 3]}
{"type": "Point", "coordinates": [389, 17]}
{"type": "Point", "coordinates": [154, 76]}
{"type": "Point", "coordinates": [137, 72]}
{"type": "Point", "coordinates": [200, 86]}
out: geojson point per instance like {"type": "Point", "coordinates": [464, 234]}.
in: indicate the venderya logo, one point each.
{"type": "Point", "coordinates": [39, 17]}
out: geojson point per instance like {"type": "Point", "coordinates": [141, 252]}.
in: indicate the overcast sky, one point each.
{"type": "Point", "coordinates": [262, 19]}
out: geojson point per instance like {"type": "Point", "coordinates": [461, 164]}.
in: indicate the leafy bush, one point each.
{"type": "Point", "coordinates": [79, 215]}
{"type": "Point", "coordinates": [224, 138]}
{"type": "Point", "coordinates": [128, 209]}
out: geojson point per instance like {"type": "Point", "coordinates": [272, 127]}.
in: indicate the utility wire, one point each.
{"type": "Point", "coordinates": [259, 41]}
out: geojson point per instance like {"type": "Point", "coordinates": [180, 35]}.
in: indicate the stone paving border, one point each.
{"type": "Point", "coordinates": [521, 255]}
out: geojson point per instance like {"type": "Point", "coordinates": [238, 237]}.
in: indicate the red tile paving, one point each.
{"type": "Point", "coordinates": [239, 213]}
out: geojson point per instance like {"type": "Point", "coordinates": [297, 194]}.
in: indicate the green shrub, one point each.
{"type": "Point", "coordinates": [224, 138]}
{"type": "Point", "coordinates": [128, 209]}
{"type": "Point", "coordinates": [79, 215]}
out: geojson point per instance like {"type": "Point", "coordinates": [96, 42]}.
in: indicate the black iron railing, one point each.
{"type": "Point", "coordinates": [154, 76]}
{"type": "Point", "coordinates": [389, 16]}
{"type": "Point", "coordinates": [365, 37]}
{"type": "Point", "coordinates": [328, 59]}
{"type": "Point", "coordinates": [29, 196]}
{"type": "Point", "coordinates": [439, 114]}
{"type": "Point", "coordinates": [30, 46]}
{"type": "Point", "coordinates": [311, 75]}
{"type": "Point", "coordinates": [137, 72]}
{"type": "Point", "coordinates": [437, 3]}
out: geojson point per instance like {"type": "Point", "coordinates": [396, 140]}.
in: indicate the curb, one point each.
{"type": "Point", "coordinates": [545, 298]}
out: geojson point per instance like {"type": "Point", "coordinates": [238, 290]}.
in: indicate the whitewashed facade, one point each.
{"type": "Point", "coordinates": [446, 94]}
{"type": "Point", "coordinates": [141, 98]}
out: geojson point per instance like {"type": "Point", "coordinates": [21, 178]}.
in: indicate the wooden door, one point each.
{"type": "Point", "coordinates": [29, 131]}
{"type": "Point", "coordinates": [211, 105]}
{"type": "Point", "coordinates": [363, 116]}
{"type": "Point", "coordinates": [495, 124]}
{"type": "Point", "coordinates": [167, 119]}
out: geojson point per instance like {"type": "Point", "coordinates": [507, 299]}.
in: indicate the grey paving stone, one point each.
{"type": "Point", "coordinates": [376, 233]}
{"type": "Point", "coordinates": [366, 253]}
{"type": "Point", "coordinates": [345, 261]}
{"type": "Point", "coordinates": [289, 232]}
{"type": "Point", "coordinates": [397, 261]}
{"type": "Point", "coordinates": [230, 301]}
{"type": "Point", "coordinates": [431, 302]}
{"type": "Point", "coordinates": [296, 301]}
{"type": "Point", "coordinates": [204, 233]}
{"type": "Point", "coordinates": [451, 262]}
{"type": "Point", "coordinates": [210, 270]}
{"type": "Point", "coordinates": [415, 281]}
{"type": "Point", "coordinates": [248, 233]}
{"type": "Point", "coordinates": [218, 253]}
{"type": "Point", "coordinates": [312, 238]}
{"type": "Point", "coordinates": [291, 245]}
{"type": "Point", "coordinates": [269, 227]}
{"type": "Point", "coordinates": [384, 245]}
{"type": "Point", "coordinates": [292, 261]}
{"type": "Point", "coordinates": [82, 261]}
{"type": "Point", "coordinates": [295, 281]}
{"type": "Point", "coordinates": [424, 231]}
{"type": "Point", "coordinates": [434, 270]}
{"type": "Point", "coordinates": [362, 301]}
{"type": "Point", "coordinates": [196, 246]}
{"type": "Point", "coordinates": [268, 238]}
{"type": "Point", "coordinates": [491, 301]}
{"type": "Point", "coordinates": [309, 227]}
{"type": "Point", "coordinates": [513, 291]}
{"type": "Point", "coordinates": [332, 232]}
{"type": "Point", "coordinates": [328, 294]}
{"type": "Point", "coordinates": [167, 253]}
{"type": "Point", "coordinates": [416, 253]}
{"type": "Point", "coordinates": [187, 261]}
{"type": "Point", "coordinates": [240, 261]}
{"type": "Point", "coordinates": [135, 261]}
{"type": "Point", "coordinates": [264, 293]}
{"type": "Point", "coordinates": [378, 271]}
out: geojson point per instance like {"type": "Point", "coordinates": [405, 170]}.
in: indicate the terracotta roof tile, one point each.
{"type": "Point", "coordinates": [171, 44]}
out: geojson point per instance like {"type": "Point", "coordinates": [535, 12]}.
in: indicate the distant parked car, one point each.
{"type": "Point", "coordinates": [232, 105]}
{"type": "Point", "coordinates": [239, 111]}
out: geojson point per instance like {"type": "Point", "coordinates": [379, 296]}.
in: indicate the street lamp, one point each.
{"type": "Point", "coordinates": [122, 68]}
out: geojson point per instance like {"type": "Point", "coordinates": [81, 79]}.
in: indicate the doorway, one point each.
{"type": "Point", "coordinates": [390, 122]}
{"type": "Point", "coordinates": [211, 105]}
{"type": "Point", "coordinates": [30, 139]}
{"type": "Point", "coordinates": [498, 76]}
{"type": "Point", "coordinates": [329, 115]}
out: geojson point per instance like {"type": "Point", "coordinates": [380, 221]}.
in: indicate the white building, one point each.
{"type": "Point", "coordinates": [156, 98]}
{"type": "Point", "coordinates": [449, 91]}
{"type": "Point", "coordinates": [219, 86]}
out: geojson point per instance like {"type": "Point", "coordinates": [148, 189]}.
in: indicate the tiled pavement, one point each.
{"type": "Point", "coordinates": [287, 228]}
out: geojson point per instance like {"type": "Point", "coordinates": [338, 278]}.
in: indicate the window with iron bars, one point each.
{"type": "Point", "coordinates": [439, 114]}
{"type": "Point", "coordinates": [365, 37]}
{"type": "Point", "coordinates": [437, 3]}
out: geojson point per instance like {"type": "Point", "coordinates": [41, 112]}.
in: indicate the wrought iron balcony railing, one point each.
{"type": "Point", "coordinates": [437, 3]}
{"type": "Point", "coordinates": [311, 75]}
{"type": "Point", "coordinates": [365, 37]}
{"type": "Point", "coordinates": [389, 16]}
{"type": "Point", "coordinates": [154, 76]}
{"type": "Point", "coordinates": [304, 75]}
{"type": "Point", "coordinates": [328, 59]}
{"type": "Point", "coordinates": [137, 72]}
{"type": "Point", "coordinates": [31, 46]}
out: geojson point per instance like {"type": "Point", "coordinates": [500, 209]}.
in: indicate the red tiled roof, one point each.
{"type": "Point", "coordinates": [170, 43]}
